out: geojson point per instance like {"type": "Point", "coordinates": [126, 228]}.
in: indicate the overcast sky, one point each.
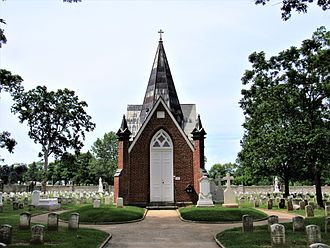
{"type": "Point", "coordinates": [103, 50]}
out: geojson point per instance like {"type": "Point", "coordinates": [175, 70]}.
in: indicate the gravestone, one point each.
{"type": "Point", "coordinates": [97, 203]}
{"type": "Point", "coordinates": [272, 219]}
{"type": "Point", "coordinates": [319, 245]}
{"type": "Point", "coordinates": [270, 204]}
{"type": "Point", "coordinates": [229, 194]}
{"type": "Point", "coordinates": [24, 220]}
{"type": "Point", "coordinates": [277, 235]}
{"type": "Point", "coordinates": [313, 234]}
{"type": "Point", "coordinates": [100, 190]}
{"type": "Point", "coordinates": [247, 223]}
{"type": "Point", "coordinates": [35, 197]}
{"type": "Point", "coordinates": [107, 200]}
{"type": "Point", "coordinates": [327, 225]}
{"type": "Point", "coordinates": [26, 201]}
{"type": "Point", "coordinates": [290, 205]}
{"type": "Point", "coordinates": [298, 223]}
{"type": "Point", "coordinates": [281, 204]}
{"type": "Point", "coordinates": [204, 196]}
{"type": "Point", "coordinates": [74, 221]}
{"type": "Point", "coordinates": [256, 203]}
{"type": "Point", "coordinates": [37, 234]}
{"type": "Point", "coordinates": [276, 186]}
{"type": "Point", "coordinates": [6, 234]}
{"type": "Point", "coordinates": [302, 205]}
{"type": "Point", "coordinates": [327, 211]}
{"type": "Point", "coordinates": [309, 211]}
{"type": "Point", "coordinates": [120, 202]}
{"type": "Point", "coordinates": [52, 222]}
{"type": "Point", "coordinates": [217, 194]}
{"type": "Point", "coordinates": [15, 205]}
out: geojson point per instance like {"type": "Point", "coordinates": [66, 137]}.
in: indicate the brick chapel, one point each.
{"type": "Point", "coordinates": [160, 145]}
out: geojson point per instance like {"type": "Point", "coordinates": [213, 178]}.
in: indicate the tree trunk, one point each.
{"type": "Point", "coordinates": [44, 180]}
{"type": "Point", "coordinates": [286, 187]}
{"type": "Point", "coordinates": [318, 189]}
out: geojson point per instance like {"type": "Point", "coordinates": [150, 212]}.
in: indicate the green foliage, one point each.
{"type": "Point", "coordinates": [300, 6]}
{"type": "Point", "coordinates": [106, 213]}
{"type": "Point", "coordinates": [56, 120]}
{"type": "Point", "coordinates": [3, 39]}
{"type": "Point", "coordinates": [219, 213]}
{"type": "Point", "coordinates": [6, 141]}
{"type": "Point", "coordinates": [221, 170]}
{"type": "Point", "coordinates": [286, 108]}
{"type": "Point", "coordinates": [105, 151]}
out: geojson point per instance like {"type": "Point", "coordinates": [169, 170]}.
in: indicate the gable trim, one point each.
{"type": "Point", "coordinates": [160, 101]}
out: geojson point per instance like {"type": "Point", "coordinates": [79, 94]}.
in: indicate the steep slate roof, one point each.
{"type": "Point", "coordinates": [161, 84]}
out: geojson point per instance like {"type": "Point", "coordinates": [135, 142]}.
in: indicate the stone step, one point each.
{"type": "Point", "coordinates": [169, 207]}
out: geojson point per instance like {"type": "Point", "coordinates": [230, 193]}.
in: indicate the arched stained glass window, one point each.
{"type": "Point", "coordinates": [161, 140]}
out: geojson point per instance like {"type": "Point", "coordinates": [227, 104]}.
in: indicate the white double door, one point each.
{"type": "Point", "coordinates": [161, 175]}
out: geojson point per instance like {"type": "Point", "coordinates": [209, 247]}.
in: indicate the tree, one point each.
{"type": "Point", "coordinates": [287, 112]}
{"type": "Point", "coordinates": [56, 120]}
{"type": "Point", "coordinates": [105, 152]}
{"type": "Point", "coordinates": [6, 141]}
{"type": "Point", "coordinates": [221, 170]}
{"type": "Point", "coordinates": [300, 6]}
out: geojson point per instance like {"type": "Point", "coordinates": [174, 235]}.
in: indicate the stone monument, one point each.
{"type": "Point", "coordinates": [276, 186]}
{"type": "Point", "coordinates": [229, 194]}
{"type": "Point", "coordinates": [205, 196]}
{"type": "Point", "coordinates": [100, 186]}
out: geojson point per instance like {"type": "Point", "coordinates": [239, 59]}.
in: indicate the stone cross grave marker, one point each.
{"type": "Point", "coordinates": [229, 194]}
{"type": "Point", "coordinates": [204, 196]}
{"type": "Point", "coordinates": [277, 235]}
{"type": "Point", "coordinates": [313, 234]}
{"type": "Point", "coordinates": [298, 223]}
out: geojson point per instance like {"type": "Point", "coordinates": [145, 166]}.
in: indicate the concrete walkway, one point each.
{"type": "Point", "coordinates": [163, 228]}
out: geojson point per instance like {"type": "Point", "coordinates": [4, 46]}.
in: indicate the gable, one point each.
{"type": "Point", "coordinates": [160, 102]}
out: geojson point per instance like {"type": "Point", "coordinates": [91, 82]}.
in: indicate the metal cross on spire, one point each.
{"type": "Point", "coordinates": [160, 34]}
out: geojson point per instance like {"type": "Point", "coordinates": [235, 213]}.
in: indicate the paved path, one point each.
{"type": "Point", "coordinates": [163, 228]}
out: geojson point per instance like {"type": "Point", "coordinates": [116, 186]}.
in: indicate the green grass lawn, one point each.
{"type": "Point", "coordinates": [260, 237]}
{"type": "Point", "coordinates": [105, 214]}
{"type": "Point", "coordinates": [219, 213]}
{"type": "Point", "coordinates": [318, 212]}
{"type": "Point", "coordinates": [82, 238]}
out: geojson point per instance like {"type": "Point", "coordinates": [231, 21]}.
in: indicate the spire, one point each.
{"type": "Point", "coordinates": [161, 85]}
{"type": "Point", "coordinates": [198, 130]}
{"type": "Point", "coordinates": [123, 131]}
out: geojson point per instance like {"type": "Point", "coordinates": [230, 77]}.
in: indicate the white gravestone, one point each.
{"type": "Point", "coordinates": [205, 196]}
{"type": "Point", "coordinates": [100, 185]}
{"type": "Point", "coordinates": [49, 204]}
{"type": "Point", "coordinates": [35, 197]}
{"type": "Point", "coordinates": [229, 194]}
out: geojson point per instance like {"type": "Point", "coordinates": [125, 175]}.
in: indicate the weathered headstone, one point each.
{"type": "Point", "coordinates": [107, 200]}
{"type": "Point", "coordinates": [15, 205]}
{"type": "Point", "coordinates": [52, 222]}
{"type": "Point", "coordinates": [327, 210]}
{"type": "Point", "coordinates": [319, 245]}
{"type": "Point", "coordinates": [97, 203]}
{"type": "Point", "coordinates": [120, 202]}
{"type": "Point", "coordinates": [26, 201]}
{"type": "Point", "coordinates": [270, 204]}
{"type": "Point", "coordinates": [74, 221]}
{"type": "Point", "coordinates": [272, 219]}
{"type": "Point", "coordinates": [37, 234]}
{"type": "Point", "coordinates": [1, 203]}
{"type": "Point", "coordinates": [229, 194]}
{"type": "Point", "coordinates": [313, 234]}
{"type": "Point", "coordinates": [327, 225]}
{"type": "Point", "coordinates": [256, 203]}
{"type": "Point", "coordinates": [24, 220]}
{"type": "Point", "coordinates": [6, 234]}
{"type": "Point", "coordinates": [35, 197]}
{"type": "Point", "coordinates": [302, 205]}
{"type": "Point", "coordinates": [298, 223]}
{"type": "Point", "coordinates": [281, 204]}
{"type": "Point", "coordinates": [309, 211]}
{"type": "Point", "coordinates": [290, 205]}
{"type": "Point", "coordinates": [277, 235]}
{"type": "Point", "coordinates": [204, 196]}
{"type": "Point", "coordinates": [247, 222]}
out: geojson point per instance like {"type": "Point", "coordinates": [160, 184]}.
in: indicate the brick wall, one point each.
{"type": "Point", "coordinates": [139, 157]}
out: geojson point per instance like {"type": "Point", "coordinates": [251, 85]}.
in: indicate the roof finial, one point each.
{"type": "Point", "coordinates": [160, 34]}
